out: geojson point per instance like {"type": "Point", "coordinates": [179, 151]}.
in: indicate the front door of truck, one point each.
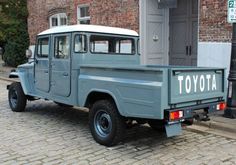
{"type": "Point", "coordinates": [61, 68]}
{"type": "Point", "coordinates": [42, 65]}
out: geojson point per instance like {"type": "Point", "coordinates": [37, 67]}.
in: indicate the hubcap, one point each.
{"type": "Point", "coordinates": [102, 123]}
{"type": "Point", "coordinates": [13, 98]}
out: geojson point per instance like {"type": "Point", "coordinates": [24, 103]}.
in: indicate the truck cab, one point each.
{"type": "Point", "coordinates": [99, 68]}
{"type": "Point", "coordinates": [61, 51]}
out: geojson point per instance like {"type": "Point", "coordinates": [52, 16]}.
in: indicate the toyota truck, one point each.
{"type": "Point", "coordinates": [99, 68]}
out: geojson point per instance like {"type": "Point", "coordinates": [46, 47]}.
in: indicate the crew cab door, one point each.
{"type": "Point", "coordinates": [42, 65]}
{"type": "Point", "coordinates": [61, 67]}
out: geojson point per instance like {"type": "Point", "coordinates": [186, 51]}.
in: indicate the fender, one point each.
{"type": "Point", "coordinates": [104, 92]}
{"type": "Point", "coordinates": [22, 73]}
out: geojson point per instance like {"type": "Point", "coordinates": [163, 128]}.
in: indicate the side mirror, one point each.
{"type": "Point", "coordinates": [28, 53]}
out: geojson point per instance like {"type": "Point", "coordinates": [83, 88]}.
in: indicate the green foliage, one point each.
{"type": "Point", "coordinates": [13, 31]}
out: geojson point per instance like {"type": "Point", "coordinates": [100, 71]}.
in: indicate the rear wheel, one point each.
{"type": "Point", "coordinates": [106, 124]}
{"type": "Point", "coordinates": [16, 97]}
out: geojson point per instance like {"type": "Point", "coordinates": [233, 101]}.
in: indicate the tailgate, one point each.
{"type": "Point", "coordinates": [195, 84]}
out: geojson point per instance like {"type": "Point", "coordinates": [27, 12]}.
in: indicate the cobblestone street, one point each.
{"type": "Point", "coordinates": [48, 134]}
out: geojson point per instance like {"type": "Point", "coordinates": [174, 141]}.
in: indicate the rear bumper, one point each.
{"type": "Point", "coordinates": [173, 127]}
{"type": "Point", "coordinates": [191, 111]}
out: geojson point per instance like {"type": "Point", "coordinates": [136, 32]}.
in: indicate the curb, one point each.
{"type": "Point", "coordinates": [8, 79]}
{"type": "Point", "coordinates": [217, 126]}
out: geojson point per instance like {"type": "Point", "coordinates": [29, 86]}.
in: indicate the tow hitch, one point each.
{"type": "Point", "coordinates": [203, 116]}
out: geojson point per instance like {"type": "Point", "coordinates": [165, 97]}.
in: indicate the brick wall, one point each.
{"type": "Point", "coordinates": [118, 13]}
{"type": "Point", "coordinates": [213, 26]}
{"type": "Point", "coordinates": [213, 21]}
{"type": "Point", "coordinates": [41, 10]}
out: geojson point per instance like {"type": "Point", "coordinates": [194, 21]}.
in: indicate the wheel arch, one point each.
{"type": "Point", "coordinates": [94, 96]}
{"type": "Point", "coordinates": [22, 79]}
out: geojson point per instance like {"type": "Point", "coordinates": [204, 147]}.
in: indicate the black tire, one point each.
{"type": "Point", "coordinates": [16, 97]}
{"type": "Point", "coordinates": [106, 124]}
{"type": "Point", "coordinates": [157, 125]}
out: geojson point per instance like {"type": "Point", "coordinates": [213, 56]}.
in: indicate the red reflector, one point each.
{"type": "Point", "coordinates": [221, 106]}
{"type": "Point", "coordinates": [176, 115]}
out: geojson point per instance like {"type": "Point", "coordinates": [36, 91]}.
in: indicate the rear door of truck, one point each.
{"type": "Point", "coordinates": [196, 85]}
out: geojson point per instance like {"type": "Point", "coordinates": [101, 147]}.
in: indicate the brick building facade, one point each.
{"type": "Point", "coordinates": [118, 13]}
{"type": "Point", "coordinates": [213, 24]}
{"type": "Point", "coordinates": [211, 40]}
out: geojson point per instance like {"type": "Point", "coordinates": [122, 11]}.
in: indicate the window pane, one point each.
{"type": "Point", "coordinates": [80, 44]}
{"type": "Point", "coordinates": [54, 21]}
{"type": "Point", "coordinates": [126, 47]}
{"type": "Point", "coordinates": [43, 47]}
{"type": "Point", "coordinates": [61, 47]}
{"type": "Point", "coordinates": [63, 21]}
{"type": "Point", "coordinates": [58, 19]}
{"type": "Point", "coordinates": [84, 11]}
{"type": "Point", "coordinates": [111, 45]}
{"type": "Point", "coordinates": [100, 46]}
{"type": "Point", "coordinates": [85, 22]}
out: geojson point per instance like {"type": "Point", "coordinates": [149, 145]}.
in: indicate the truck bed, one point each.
{"type": "Point", "coordinates": [146, 91]}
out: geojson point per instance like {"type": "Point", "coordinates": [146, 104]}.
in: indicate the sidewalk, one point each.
{"type": "Point", "coordinates": [4, 70]}
{"type": "Point", "coordinates": [217, 122]}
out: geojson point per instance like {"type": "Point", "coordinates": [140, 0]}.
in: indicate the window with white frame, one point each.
{"type": "Point", "coordinates": [59, 19]}
{"type": "Point", "coordinates": [83, 15]}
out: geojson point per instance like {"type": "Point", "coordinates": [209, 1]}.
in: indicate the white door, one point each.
{"type": "Point", "coordinates": [183, 33]}
{"type": "Point", "coordinates": [153, 33]}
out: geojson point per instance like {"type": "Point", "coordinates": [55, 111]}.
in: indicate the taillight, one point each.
{"type": "Point", "coordinates": [221, 106]}
{"type": "Point", "coordinates": [175, 115]}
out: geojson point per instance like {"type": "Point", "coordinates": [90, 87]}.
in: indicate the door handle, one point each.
{"type": "Point", "coordinates": [186, 50]}
{"type": "Point", "coordinates": [65, 74]}
{"type": "Point", "coordinates": [46, 71]}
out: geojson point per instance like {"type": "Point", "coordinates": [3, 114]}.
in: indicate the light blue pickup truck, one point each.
{"type": "Point", "coordinates": [99, 68]}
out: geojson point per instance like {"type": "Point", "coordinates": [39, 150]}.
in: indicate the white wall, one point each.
{"type": "Point", "coordinates": [214, 54]}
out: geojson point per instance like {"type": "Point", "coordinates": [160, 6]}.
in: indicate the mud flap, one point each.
{"type": "Point", "coordinates": [173, 129]}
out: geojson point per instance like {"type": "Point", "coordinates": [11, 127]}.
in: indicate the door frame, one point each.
{"type": "Point", "coordinates": [48, 59]}
{"type": "Point", "coordinates": [55, 62]}
{"type": "Point", "coordinates": [197, 35]}
{"type": "Point", "coordinates": [143, 30]}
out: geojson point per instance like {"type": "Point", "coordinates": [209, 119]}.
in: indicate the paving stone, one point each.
{"type": "Point", "coordinates": [48, 134]}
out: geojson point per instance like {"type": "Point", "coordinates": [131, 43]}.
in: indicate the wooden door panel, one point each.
{"type": "Point", "coordinates": [156, 49]}
{"type": "Point", "coordinates": [181, 10]}
{"type": "Point", "coordinates": [184, 33]}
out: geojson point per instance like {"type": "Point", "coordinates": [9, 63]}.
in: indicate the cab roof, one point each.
{"type": "Point", "coordinates": [89, 28]}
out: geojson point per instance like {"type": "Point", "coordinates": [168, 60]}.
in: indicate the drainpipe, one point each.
{"type": "Point", "coordinates": [230, 111]}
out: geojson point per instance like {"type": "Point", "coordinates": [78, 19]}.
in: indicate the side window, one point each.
{"type": "Point", "coordinates": [61, 47]}
{"type": "Point", "coordinates": [112, 45]}
{"type": "Point", "coordinates": [99, 44]}
{"type": "Point", "coordinates": [43, 47]}
{"type": "Point", "coordinates": [80, 44]}
{"type": "Point", "coordinates": [124, 46]}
